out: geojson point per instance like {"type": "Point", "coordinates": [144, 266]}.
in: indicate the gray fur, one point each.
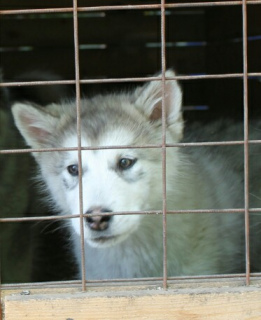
{"type": "Point", "coordinates": [197, 178]}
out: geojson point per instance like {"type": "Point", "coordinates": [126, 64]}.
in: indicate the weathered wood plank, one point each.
{"type": "Point", "coordinates": [216, 303]}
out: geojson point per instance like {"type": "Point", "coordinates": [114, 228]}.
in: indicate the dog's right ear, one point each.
{"type": "Point", "coordinates": [35, 124]}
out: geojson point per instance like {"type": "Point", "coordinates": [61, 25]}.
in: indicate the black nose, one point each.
{"type": "Point", "coordinates": [98, 223]}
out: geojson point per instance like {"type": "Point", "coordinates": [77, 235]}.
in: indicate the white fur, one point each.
{"type": "Point", "coordinates": [197, 178]}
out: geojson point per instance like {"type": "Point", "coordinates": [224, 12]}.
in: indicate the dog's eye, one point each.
{"type": "Point", "coordinates": [73, 170]}
{"type": "Point", "coordinates": [126, 163]}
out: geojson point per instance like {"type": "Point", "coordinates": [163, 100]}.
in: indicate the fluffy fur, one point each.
{"type": "Point", "coordinates": [197, 178]}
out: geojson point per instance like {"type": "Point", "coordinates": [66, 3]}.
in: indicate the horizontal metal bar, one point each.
{"type": "Point", "coordinates": [119, 80]}
{"type": "Point", "coordinates": [36, 83]}
{"type": "Point", "coordinates": [14, 151]}
{"type": "Point", "coordinates": [132, 281]}
{"type": "Point", "coordinates": [147, 212]}
{"type": "Point", "coordinates": [148, 146]}
{"type": "Point", "coordinates": [127, 7]}
{"type": "Point", "coordinates": [167, 6]}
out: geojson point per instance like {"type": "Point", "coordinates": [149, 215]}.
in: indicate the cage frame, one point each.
{"type": "Point", "coordinates": [244, 289]}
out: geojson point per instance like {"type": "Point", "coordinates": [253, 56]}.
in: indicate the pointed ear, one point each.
{"type": "Point", "coordinates": [149, 102]}
{"type": "Point", "coordinates": [34, 123]}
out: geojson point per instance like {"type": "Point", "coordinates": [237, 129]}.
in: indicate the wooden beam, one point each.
{"type": "Point", "coordinates": [201, 303]}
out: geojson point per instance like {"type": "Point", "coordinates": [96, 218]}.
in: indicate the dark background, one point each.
{"type": "Point", "coordinates": [126, 43]}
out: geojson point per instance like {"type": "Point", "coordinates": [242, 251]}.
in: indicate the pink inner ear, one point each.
{"type": "Point", "coordinates": [37, 133]}
{"type": "Point", "coordinates": [157, 112]}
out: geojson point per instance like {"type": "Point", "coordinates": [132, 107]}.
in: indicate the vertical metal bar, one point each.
{"type": "Point", "coordinates": [246, 137]}
{"type": "Point", "coordinates": [78, 110]}
{"type": "Point", "coordinates": [164, 149]}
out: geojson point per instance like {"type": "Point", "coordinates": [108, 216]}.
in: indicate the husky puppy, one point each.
{"type": "Point", "coordinates": [130, 179]}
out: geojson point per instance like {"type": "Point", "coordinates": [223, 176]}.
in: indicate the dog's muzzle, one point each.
{"type": "Point", "coordinates": [100, 222]}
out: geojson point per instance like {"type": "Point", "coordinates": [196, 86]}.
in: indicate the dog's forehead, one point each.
{"type": "Point", "coordinates": [115, 137]}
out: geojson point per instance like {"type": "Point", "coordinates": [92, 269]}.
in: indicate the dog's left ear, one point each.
{"type": "Point", "coordinates": [148, 99]}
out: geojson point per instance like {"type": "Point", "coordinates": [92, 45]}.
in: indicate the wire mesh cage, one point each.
{"type": "Point", "coordinates": [91, 47]}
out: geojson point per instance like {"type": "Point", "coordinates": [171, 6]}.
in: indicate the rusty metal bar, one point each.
{"type": "Point", "coordinates": [246, 145]}
{"type": "Point", "coordinates": [163, 148]}
{"type": "Point", "coordinates": [60, 284]}
{"type": "Point", "coordinates": [138, 79]}
{"type": "Point", "coordinates": [126, 7]}
{"type": "Point", "coordinates": [147, 212]}
{"type": "Point", "coordinates": [79, 136]}
{"type": "Point", "coordinates": [148, 146]}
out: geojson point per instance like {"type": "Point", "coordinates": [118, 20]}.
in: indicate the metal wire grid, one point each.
{"type": "Point", "coordinates": [162, 6]}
